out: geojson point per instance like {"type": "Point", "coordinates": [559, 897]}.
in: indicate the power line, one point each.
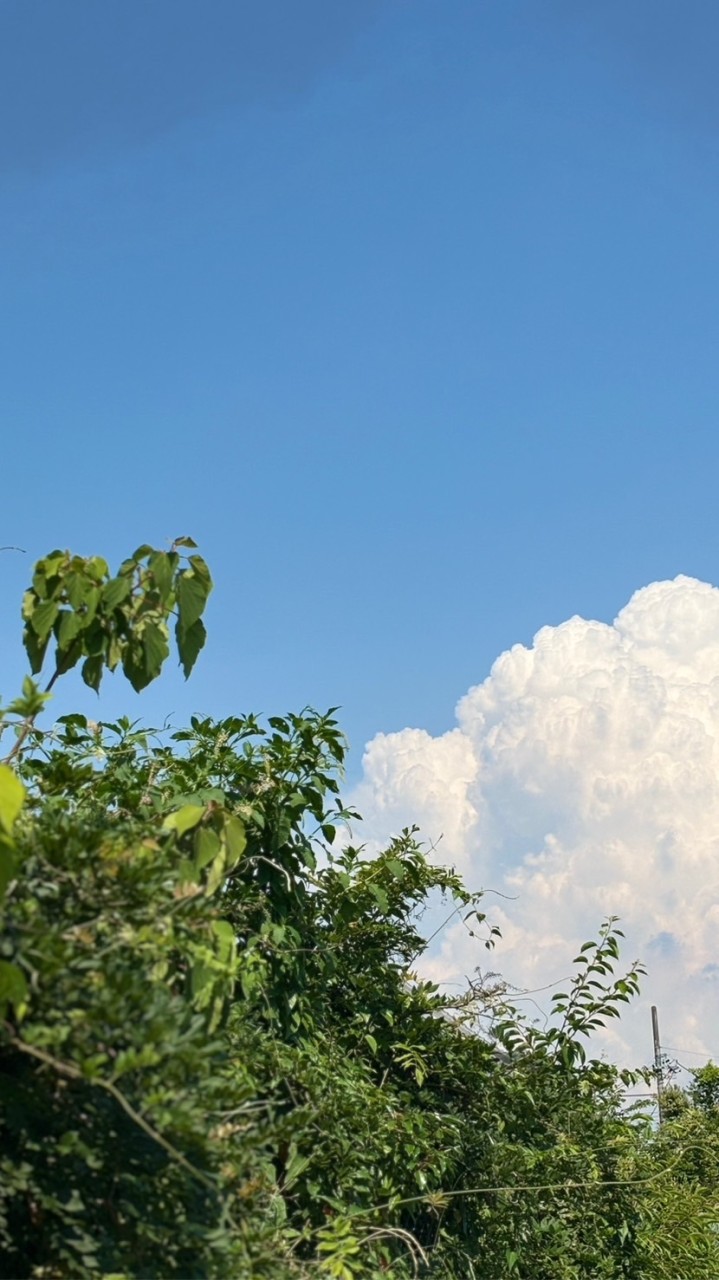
{"type": "Point", "coordinates": [693, 1053]}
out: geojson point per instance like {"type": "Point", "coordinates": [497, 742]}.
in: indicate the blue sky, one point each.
{"type": "Point", "coordinates": [407, 312]}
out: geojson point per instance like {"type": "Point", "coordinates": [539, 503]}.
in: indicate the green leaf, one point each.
{"type": "Point", "coordinates": [43, 618]}
{"type": "Point", "coordinates": [114, 652]}
{"type": "Point", "coordinates": [192, 593]}
{"type": "Point", "coordinates": [201, 569]}
{"type": "Point", "coordinates": [70, 627]}
{"type": "Point", "coordinates": [380, 897]}
{"type": "Point", "coordinates": [155, 649]}
{"type": "Point", "coordinates": [133, 664]}
{"type": "Point", "coordinates": [186, 872]}
{"type": "Point", "coordinates": [12, 797]}
{"type": "Point", "coordinates": [13, 985]}
{"type": "Point", "coordinates": [29, 602]}
{"type": "Point", "coordinates": [189, 644]}
{"type": "Point", "coordinates": [66, 659]}
{"type": "Point", "coordinates": [91, 602]}
{"type": "Point", "coordinates": [92, 671]}
{"type": "Point", "coordinates": [207, 846]}
{"type": "Point", "coordinates": [236, 839]}
{"type": "Point", "coordinates": [98, 568]}
{"type": "Point", "coordinates": [217, 872]}
{"type": "Point", "coordinates": [160, 566]}
{"type": "Point", "coordinates": [115, 591]}
{"type": "Point", "coordinates": [296, 1165]}
{"type": "Point", "coordinates": [35, 649]}
{"type": "Point", "coordinates": [201, 978]}
{"type": "Point", "coordinates": [225, 935]}
{"type": "Point", "coordinates": [31, 702]}
{"type": "Point", "coordinates": [77, 588]}
{"type": "Point", "coordinates": [184, 819]}
{"type": "Point", "coordinates": [94, 637]}
{"type": "Point", "coordinates": [184, 542]}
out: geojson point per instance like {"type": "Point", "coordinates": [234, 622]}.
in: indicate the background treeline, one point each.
{"type": "Point", "coordinates": [216, 1057]}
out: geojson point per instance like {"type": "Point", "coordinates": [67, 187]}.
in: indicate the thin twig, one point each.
{"type": "Point", "coordinates": [67, 1069]}
{"type": "Point", "coordinates": [414, 1248]}
{"type": "Point", "coordinates": [570, 1185]}
{"type": "Point", "coordinates": [29, 724]}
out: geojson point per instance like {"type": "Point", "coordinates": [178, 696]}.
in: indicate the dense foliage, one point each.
{"type": "Point", "coordinates": [217, 1058]}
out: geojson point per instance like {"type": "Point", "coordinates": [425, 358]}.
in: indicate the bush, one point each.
{"type": "Point", "coordinates": [216, 1057]}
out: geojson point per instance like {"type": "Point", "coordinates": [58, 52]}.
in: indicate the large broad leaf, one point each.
{"type": "Point", "coordinates": [133, 664]}
{"type": "Point", "coordinates": [43, 617]}
{"type": "Point", "coordinates": [142, 552]}
{"type": "Point", "coordinates": [192, 592]}
{"type": "Point", "coordinates": [12, 797]}
{"type": "Point", "coordinates": [71, 625]}
{"type": "Point", "coordinates": [94, 637]}
{"type": "Point", "coordinates": [189, 643]}
{"type": "Point", "coordinates": [76, 589]}
{"type": "Point", "coordinates": [35, 649]}
{"type": "Point", "coordinates": [160, 566]}
{"type": "Point", "coordinates": [115, 591]}
{"type": "Point", "coordinates": [236, 839]}
{"type": "Point", "coordinates": [92, 672]}
{"type": "Point", "coordinates": [98, 568]}
{"type": "Point", "coordinates": [155, 649]}
{"type": "Point", "coordinates": [207, 847]}
{"type": "Point", "coordinates": [184, 819]}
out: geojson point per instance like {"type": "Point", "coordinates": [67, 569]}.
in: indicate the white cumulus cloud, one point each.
{"type": "Point", "coordinates": [583, 778]}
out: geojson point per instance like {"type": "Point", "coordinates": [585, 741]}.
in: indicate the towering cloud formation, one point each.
{"type": "Point", "coordinates": [583, 777]}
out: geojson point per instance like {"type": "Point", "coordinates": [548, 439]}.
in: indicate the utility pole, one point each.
{"type": "Point", "coordinates": [658, 1062]}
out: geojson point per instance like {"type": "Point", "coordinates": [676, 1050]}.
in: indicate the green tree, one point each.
{"type": "Point", "coordinates": [704, 1088]}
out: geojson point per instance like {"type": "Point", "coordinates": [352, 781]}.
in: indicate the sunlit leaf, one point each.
{"type": "Point", "coordinates": [12, 797]}
{"type": "Point", "coordinates": [184, 819]}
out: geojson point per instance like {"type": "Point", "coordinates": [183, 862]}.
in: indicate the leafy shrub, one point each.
{"type": "Point", "coordinates": [216, 1056]}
